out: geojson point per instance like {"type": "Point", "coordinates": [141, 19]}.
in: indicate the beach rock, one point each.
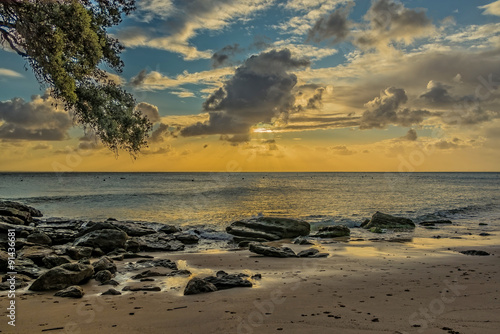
{"type": "Point", "coordinates": [333, 231]}
{"type": "Point", "coordinates": [21, 207]}
{"type": "Point", "coordinates": [158, 243]}
{"type": "Point", "coordinates": [141, 288]}
{"type": "Point", "coordinates": [91, 226]}
{"type": "Point", "coordinates": [132, 245]}
{"type": "Point", "coordinates": [104, 263]}
{"type": "Point", "coordinates": [103, 276]}
{"type": "Point", "coordinates": [105, 239]}
{"type": "Point", "coordinates": [475, 252]}
{"type": "Point", "coordinates": [223, 281]}
{"type": "Point", "coordinates": [382, 220]}
{"type": "Point", "coordinates": [63, 276]}
{"type": "Point", "coordinates": [166, 263]}
{"type": "Point", "coordinates": [169, 229]}
{"type": "Point", "coordinates": [308, 252]}
{"type": "Point", "coordinates": [271, 251]}
{"type": "Point", "coordinates": [187, 239]}
{"type": "Point", "coordinates": [312, 252]}
{"type": "Point", "coordinates": [302, 241]}
{"type": "Point", "coordinates": [39, 238]}
{"type": "Point", "coordinates": [79, 252]}
{"type": "Point", "coordinates": [484, 234]}
{"type": "Point", "coordinates": [73, 291]}
{"type": "Point", "coordinates": [35, 253]}
{"type": "Point", "coordinates": [23, 217]}
{"type": "Point", "coordinates": [148, 273]}
{"type": "Point", "coordinates": [197, 285]}
{"type": "Point", "coordinates": [435, 222]}
{"type": "Point", "coordinates": [133, 229]}
{"type": "Point", "coordinates": [182, 272]}
{"type": "Point", "coordinates": [269, 228]}
{"type": "Point", "coordinates": [60, 236]}
{"type": "Point", "coordinates": [5, 226]}
{"type": "Point", "coordinates": [110, 282]}
{"type": "Point", "coordinates": [52, 261]}
{"type": "Point", "coordinates": [28, 268]}
{"type": "Point", "coordinates": [111, 292]}
{"type": "Point", "coordinates": [11, 220]}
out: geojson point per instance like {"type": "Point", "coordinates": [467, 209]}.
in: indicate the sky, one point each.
{"type": "Point", "coordinates": [283, 85]}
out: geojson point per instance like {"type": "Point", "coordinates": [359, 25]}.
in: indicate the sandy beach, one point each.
{"type": "Point", "coordinates": [423, 286]}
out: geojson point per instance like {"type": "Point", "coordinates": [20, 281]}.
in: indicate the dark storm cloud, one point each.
{"type": "Point", "coordinates": [384, 110]}
{"type": "Point", "coordinates": [333, 27]}
{"type": "Point", "coordinates": [260, 90]}
{"type": "Point", "coordinates": [38, 119]}
{"type": "Point", "coordinates": [158, 133]}
{"type": "Point", "coordinates": [224, 55]}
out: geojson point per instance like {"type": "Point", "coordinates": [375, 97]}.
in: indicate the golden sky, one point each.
{"type": "Point", "coordinates": [297, 85]}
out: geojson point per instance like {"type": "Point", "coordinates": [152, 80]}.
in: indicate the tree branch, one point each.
{"type": "Point", "coordinates": [9, 38]}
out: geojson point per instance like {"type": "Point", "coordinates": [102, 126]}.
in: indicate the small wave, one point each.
{"type": "Point", "coordinates": [460, 212]}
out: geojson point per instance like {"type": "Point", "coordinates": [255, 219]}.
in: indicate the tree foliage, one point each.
{"type": "Point", "coordinates": [66, 43]}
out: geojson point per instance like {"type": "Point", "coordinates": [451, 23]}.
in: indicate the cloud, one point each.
{"type": "Point", "coordinates": [260, 90]}
{"type": "Point", "coordinates": [147, 10]}
{"type": "Point", "coordinates": [342, 150]}
{"type": "Point", "coordinates": [39, 119]}
{"type": "Point", "coordinates": [437, 93]}
{"type": "Point", "coordinates": [492, 8]}
{"type": "Point", "coordinates": [223, 56]}
{"type": "Point", "coordinates": [158, 133]}
{"type": "Point", "coordinates": [157, 81]}
{"type": "Point", "coordinates": [5, 72]}
{"type": "Point", "coordinates": [384, 110]}
{"type": "Point", "coordinates": [334, 27]}
{"type": "Point", "coordinates": [391, 21]}
{"type": "Point", "coordinates": [411, 135]}
{"type": "Point", "coordinates": [175, 32]}
{"type": "Point", "coordinates": [308, 13]}
{"type": "Point", "coordinates": [42, 147]}
{"type": "Point", "coordinates": [150, 111]}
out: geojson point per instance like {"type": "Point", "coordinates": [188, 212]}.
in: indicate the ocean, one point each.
{"type": "Point", "coordinates": [214, 200]}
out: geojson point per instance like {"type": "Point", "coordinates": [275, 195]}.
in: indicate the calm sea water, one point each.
{"type": "Point", "coordinates": [216, 199]}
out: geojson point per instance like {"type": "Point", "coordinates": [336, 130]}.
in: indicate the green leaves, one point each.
{"type": "Point", "coordinates": [65, 43]}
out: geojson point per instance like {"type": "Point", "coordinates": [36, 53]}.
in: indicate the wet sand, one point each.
{"type": "Point", "coordinates": [424, 286]}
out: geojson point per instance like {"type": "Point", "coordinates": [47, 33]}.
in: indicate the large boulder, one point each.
{"type": "Point", "coordinates": [271, 251]}
{"type": "Point", "coordinates": [269, 228]}
{"type": "Point", "coordinates": [333, 231]}
{"type": "Point", "coordinates": [63, 276]}
{"type": "Point", "coordinates": [105, 239]}
{"type": "Point", "coordinates": [197, 285]}
{"type": "Point", "coordinates": [382, 220]}
{"type": "Point", "coordinates": [223, 280]}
